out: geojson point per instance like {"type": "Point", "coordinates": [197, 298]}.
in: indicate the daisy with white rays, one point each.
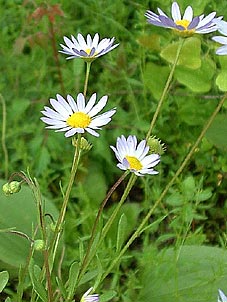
{"type": "Point", "coordinates": [74, 117]}
{"type": "Point", "coordinates": [89, 49]}
{"type": "Point", "coordinates": [222, 28]}
{"type": "Point", "coordinates": [134, 157]}
{"type": "Point", "coordinates": [89, 298]}
{"type": "Point", "coordinates": [187, 24]}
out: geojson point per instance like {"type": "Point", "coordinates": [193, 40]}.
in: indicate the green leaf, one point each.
{"type": "Point", "coordinates": [200, 80]}
{"type": "Point", "coordinates": [217, 133]}
{"type": "Point", "coordinates": [19, 211]}
{"type": "Point", "coordinates": [34, 272]}
{"type": "Point", "coordinates": [155, 77]}
{"type": "Point", "coordinates": [4, 277]}
{"type": "Point", "coordinates": [189, 274]}
{"type": "Point", "coordinates": [131, 212]}
{"type": "Point", "coordinates": [73, 275]}
{"type": "Point", "coordinates": [189, 55]}
{"type": "Point", "coordinates": [221, 80]}
{"type": "Point", "coordinates": [107, 296]}
{"type": "Point", "coordinates": [122, 226]}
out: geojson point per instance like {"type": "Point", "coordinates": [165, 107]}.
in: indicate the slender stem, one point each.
{"type": "Point", "coordinates": [4, 148]}
{"type": "Point", "coordinates": [86, 258]}
{"type": "Point", "coordinates": [22, 275]}
{"type": "Point", "coordinates": [140, 229]}
{"type": "Point", "coordinates": [88, 67]}
{"type": "Point", "coordinates": [127, 190]}
{"type": "Point", "coordinates": [61, 216]}
{"type": "Point", "coordinates": [38, 197]}
{"type": "Point", "coordinates": [181, 43]}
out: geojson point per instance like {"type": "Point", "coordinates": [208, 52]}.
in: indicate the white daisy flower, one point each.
{"type": "Point", "coordinates": [88, 50]}
{"type": "Point", "coordinates": [186, 24]}
{"type": "Point", "coordinates": [75, 116]}
{"type": "Point", "coordinates": [222, 28]}
{"type": "Point", "coordinates": [221, 296]}
{"type": "Point", "coordinates": [134, 158]}
{"type": "Point", "coordinates": [90, 298]}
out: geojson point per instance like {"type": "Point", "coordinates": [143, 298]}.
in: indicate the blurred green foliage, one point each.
{"type": "Point", "coordinates": [133, 76]}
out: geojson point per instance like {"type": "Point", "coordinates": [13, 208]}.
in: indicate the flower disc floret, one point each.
{"type": "Point", "coordinates": [74, 117]}
{"type": "Point", "coordinates": [133, 156]}
{"type": "Point", "coordinates": [185, 25]}
{"type": "Point", "coordinates": [88, 49]}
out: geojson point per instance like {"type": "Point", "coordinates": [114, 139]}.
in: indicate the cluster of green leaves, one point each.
{"type": "Point", "coordinates": [133, 76]}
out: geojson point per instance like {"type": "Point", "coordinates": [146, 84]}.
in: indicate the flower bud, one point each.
{"type": "Point", "coordinates": [84, 144]}
{"type": "Point", "coordinates": [155, 145]}
{"type": "Point", "coordinates": [39, 245]}
{"type": "Point", "coordinates": [12, 187]}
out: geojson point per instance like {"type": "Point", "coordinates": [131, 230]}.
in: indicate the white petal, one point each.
{"type": "Point", "coordinates": [220, 39]}
{"type": "Point", "coordinates": [92, 132]}
{"type": "Point", "coordinates": [80, 102]}
{"type": "Point", "coordinates": [206, 20]}
{"type": "Point", "coordinates": [59, 108]}
{"type": "Point", "coordinates": [72, 103]}
{"type": "Point", "coordinates": [99, 106]}
{"type": "Point", "coordinates": [62, 101]}
{"type": "Point", "coordinates": [188, 14]}
{"type": "Point", "coordinates": [90, 103]}
{"type": "Point", "coordinates": [176, 14]}
{"type": "Point", "coordinates": [81, 41]}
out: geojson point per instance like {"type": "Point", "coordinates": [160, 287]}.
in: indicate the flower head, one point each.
{"type": "Point", "coordinates": [221, 296]}
{"type": "Point", "coordinates": [89, 49]}
{"type": "Point", "coordinates": [134, 157]}
{"type": "Point", "coordinates": [75, 116]}
{"type": "Point", "coordinates": [89, 298]}
{"type": "Point", "coordinates": [222, 28]}
{"type": "Point", "coordinates": [187, 24]}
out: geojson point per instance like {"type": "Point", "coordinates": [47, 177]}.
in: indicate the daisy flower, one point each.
{"type": "Point", "coordinates": [75, 116]}
{"type": "Point", "coordinates": [134, 157]}
{"type": "Point", "coordinates": [90, 298]}
{"type": "Point", "coordinates": [187, 24]}
{"type": "Point", "coordinates": [89, 49]}
{"type": "Point", "coordinates": [222, 28]}
{"type": "Point", "coordinates": [221, 296]}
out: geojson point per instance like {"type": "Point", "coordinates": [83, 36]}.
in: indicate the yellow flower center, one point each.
{"type": "Point", "coordinates": [183, 23]}
{"type": "Point", "coordinates": [88, 51]}
{"type": "Point", "coordinates": [134, 163]}
{"type": "Point", "coordinates": [186, 32]}
{"type": "Point", "coordinates": [79, 120]}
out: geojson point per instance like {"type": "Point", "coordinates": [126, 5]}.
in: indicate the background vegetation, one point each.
{"type": "Point", "coordinates": [181, 256]}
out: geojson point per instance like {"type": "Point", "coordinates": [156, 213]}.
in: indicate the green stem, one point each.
{"type": "Point", "coordinates": [95, 225]}
{"type": "Point", "coordinates": [127, 190]}
{"type": "Point", "coordinates": [4, 148]}
{"type": "Point", "coordinates": [61, 216]}
{"type": "Point", "coordinates": [88, 65]}
{"type": "Point", "coordinates": [164, 92]}
{"type": "Point", "coordinates": [38, 198]}
{"type": "Point", "coordinates": [140, 229]}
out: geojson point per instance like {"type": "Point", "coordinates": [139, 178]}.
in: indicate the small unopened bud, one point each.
{"type": "Point", "coordinates": [11, 188]}
{"type": "Point", "coordinates": [39, 245]}
{"type": "Point", "coordinates": [52, 226]}
{"type": "Point", "coordinates": [84, 144]}
{"type": "Point", "coordinates": [156, 146]}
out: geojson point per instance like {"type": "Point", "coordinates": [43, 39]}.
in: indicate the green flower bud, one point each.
{"type": "Point", "coordinates": [39, 245]}
{"type": "Point", "coordinates": [52, 226]}
{"type": "Point", "coordinates": [84, 144]}
{"type": "Point", "coordinates": [12, 187]}
{"type": "Point", "coordinates": [155, 145]}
